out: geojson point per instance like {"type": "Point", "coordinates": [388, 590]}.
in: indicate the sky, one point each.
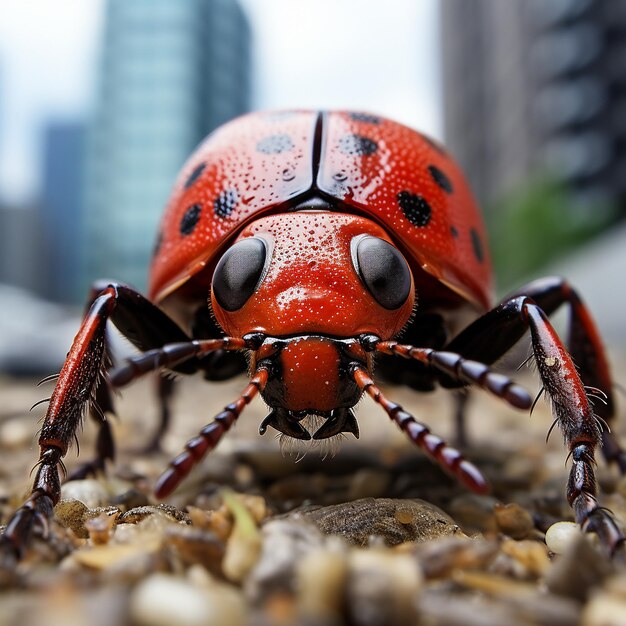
{"type": "Point", "coordinates": [377, 56]}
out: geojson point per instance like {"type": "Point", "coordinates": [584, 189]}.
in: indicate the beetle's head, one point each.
{"type": "Point", "coordinates": [314, 272]}
{"type": "Point", "coordinates": [308, 286]}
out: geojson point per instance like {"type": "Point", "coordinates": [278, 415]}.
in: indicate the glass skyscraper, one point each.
{"type": "Point", "coordinates": [171, 71]}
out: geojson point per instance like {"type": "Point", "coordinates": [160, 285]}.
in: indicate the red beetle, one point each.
{"type": "Point", "coordinates": [317, 239]}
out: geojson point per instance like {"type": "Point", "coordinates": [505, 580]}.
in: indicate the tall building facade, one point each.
{"type": "Point", "coordinates": [536, 85]}
{"type": "Point", "coordinates": [62, 209]}
{"type": "Point", "coordinates": [170, 73]}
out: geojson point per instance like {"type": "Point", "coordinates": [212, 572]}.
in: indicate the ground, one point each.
{"type": "Point", "coordinates": [374, 535]}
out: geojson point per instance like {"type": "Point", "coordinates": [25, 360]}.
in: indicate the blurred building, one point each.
{"type": "Point", "coordinates": [533, 86]}
{"type": "Point", "coordinates": [23, 259]}
{"type": "Point", "coordinates": [62, 209]}
{"type": "Point", "coordinates": [171, 72]}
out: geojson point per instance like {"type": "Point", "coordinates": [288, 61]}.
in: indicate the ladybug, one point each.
{"type": "Point", "coordinates": [312, 244]}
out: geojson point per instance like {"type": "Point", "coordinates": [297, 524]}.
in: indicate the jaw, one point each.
{"type": "Point", "coordinates": [305, 425]}
{"type": "Point", "coordinates": [310, 375]}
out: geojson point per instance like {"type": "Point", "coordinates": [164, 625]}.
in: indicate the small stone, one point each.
{"type": "Point", "coordinates": [286, 541]}
{"type": "Point", "coordinates": [578, 570]}
{"type": "Point", "coordinates": [560, 535]}
{"type": "Point", "coordinates": [244, 544]}
{"type": "Point", "coordinates": [140, 513]}
{"type": "Point", "coordinates": [90, 492]}
{"type": "Point", "coordinates": [604, 609]}
{"type": "Point", "coordinates": [219, 522]}
{"type": "Point", "coordinates": [100, 527]}
{"type": "Point", "coordinates": [513, 520]}
{"type": "Point", "coordinates": [195, 545]}
{"type": "Point", "coordinates": [16, 434]}
{"type": "Point", "coordinates": [115, 555]}
{"type": "Point", "coordinates": [532, 555]}
{"type": "Point", "coordinates": [72, 514]}
{"type": "Point", "coordinates": [382, 588]}
{"type": "Point", "coordinates": [474, 513]}
{"type": "Point", "coordinates": [493, 584]}
{"type": "Point", "coordinates": [162, 600]}
{"type": "Point", "coordinates": [321, 579]}
{"type": "Point", "coordinates": [439, 558]}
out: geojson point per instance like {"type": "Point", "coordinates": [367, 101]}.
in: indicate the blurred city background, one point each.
{"type": "Point", "coordinates": [102, 101]}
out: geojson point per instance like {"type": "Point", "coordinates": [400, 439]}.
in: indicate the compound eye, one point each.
{"type": "Point", "coordinates": [382, 269]}
{"type": "Point", "coordinates": [239, 272]}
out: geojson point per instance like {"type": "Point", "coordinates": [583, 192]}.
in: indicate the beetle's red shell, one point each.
{"type": "Point", "coordinates": [267, 162]}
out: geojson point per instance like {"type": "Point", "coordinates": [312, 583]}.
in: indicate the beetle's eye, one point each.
{"type": "Point", "coordinates": [239, 272]}
{"type": "Point", "coordinates": [382, 269]}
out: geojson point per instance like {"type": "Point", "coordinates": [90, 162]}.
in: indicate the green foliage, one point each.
{"type": "Point", "coordinates": [538, 224]}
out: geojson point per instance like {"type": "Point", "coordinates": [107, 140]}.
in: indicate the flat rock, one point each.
{"type": "Point", "coordinates": [394, 520]}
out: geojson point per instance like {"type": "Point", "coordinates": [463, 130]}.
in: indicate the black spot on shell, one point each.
{"type": "Point", "coordinates": [193, 177]}
{"type": "Point", "coordinates": [357, 145]}
{"type": "Point", "coordinates": [477, 245]}
{"type": "Point", "coordinates": [415, 208]}
{"type": "Point", "coordinates": [275, 144]}
{"type": "Point", "coordinates": [365, 117]}
{"type": "Point", "coordinates": [454, 232]}
{"type": "Point", "coordinates": [190, 219]}
{"type": "Point", "coordinates": [440, 178]}
{"type": "Point", "coordinates": [226, 202]}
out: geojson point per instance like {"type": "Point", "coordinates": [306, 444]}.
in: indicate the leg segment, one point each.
{"type": "Point", "coordinates": [581, 428]}
{"type": "Point", "coordinates": [172, 356]}
{"type": "Point", "coordinates": [207, 438]}
{"type": "Point", "coordinates": [493, 334]}
{"type": "Point", "coordinates": [435, 447]}
{"type": "Point", "coordinates": [461, 370]}
{"type": "Point", "coordinates": [81, 377]}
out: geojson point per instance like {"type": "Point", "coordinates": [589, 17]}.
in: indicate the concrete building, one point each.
{"type": "Point", "coordinates": [536, 85]}
{"type": "Point", "coordinates": [170, 73]}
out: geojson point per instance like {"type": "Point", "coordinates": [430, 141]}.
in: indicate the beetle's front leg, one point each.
{"type": "Point", "coordinates": [80, 385]}
{"type": "Point", "coordinates": [75, 389]}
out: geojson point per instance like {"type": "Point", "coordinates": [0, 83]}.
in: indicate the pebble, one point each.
{"type": "Point", "coordinates": [100, 527]}
{"type": "Point", "coordinates": [513, 520]}
{"type": "Point", "coordinates": [285, 542]}
{"type": "Point", "coordinates": [439, 558]}
{"type": "Point", "coordinates": [16, 433]}
{"type": "Point", "coordinates": [382, 588]}
{"type": "Point", "coordinates": [321, 580]}
{"type": "Point", "coordinates": [244, 544]}
{"type": "Point", "coordinates": [560, 535]}
{"type": "Point", "coordinates": [578, 570]}
{"type": "Point", "coordinates": [474, 513]}
{"type": "Point", "coordinates": [604, 609]}
{"type": "Point", "coordinates": [72, 514]}
{"type": "Point", "coordinates": [91, 492]}
{"type": "Point", "coordinates": [140, 513]}
{"type": "Point", "coordinates": [532, 555]}
{"type": "Point", "coordinates": [163, 600]}
{"type": "Point", "coordinates": [194, 545]}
